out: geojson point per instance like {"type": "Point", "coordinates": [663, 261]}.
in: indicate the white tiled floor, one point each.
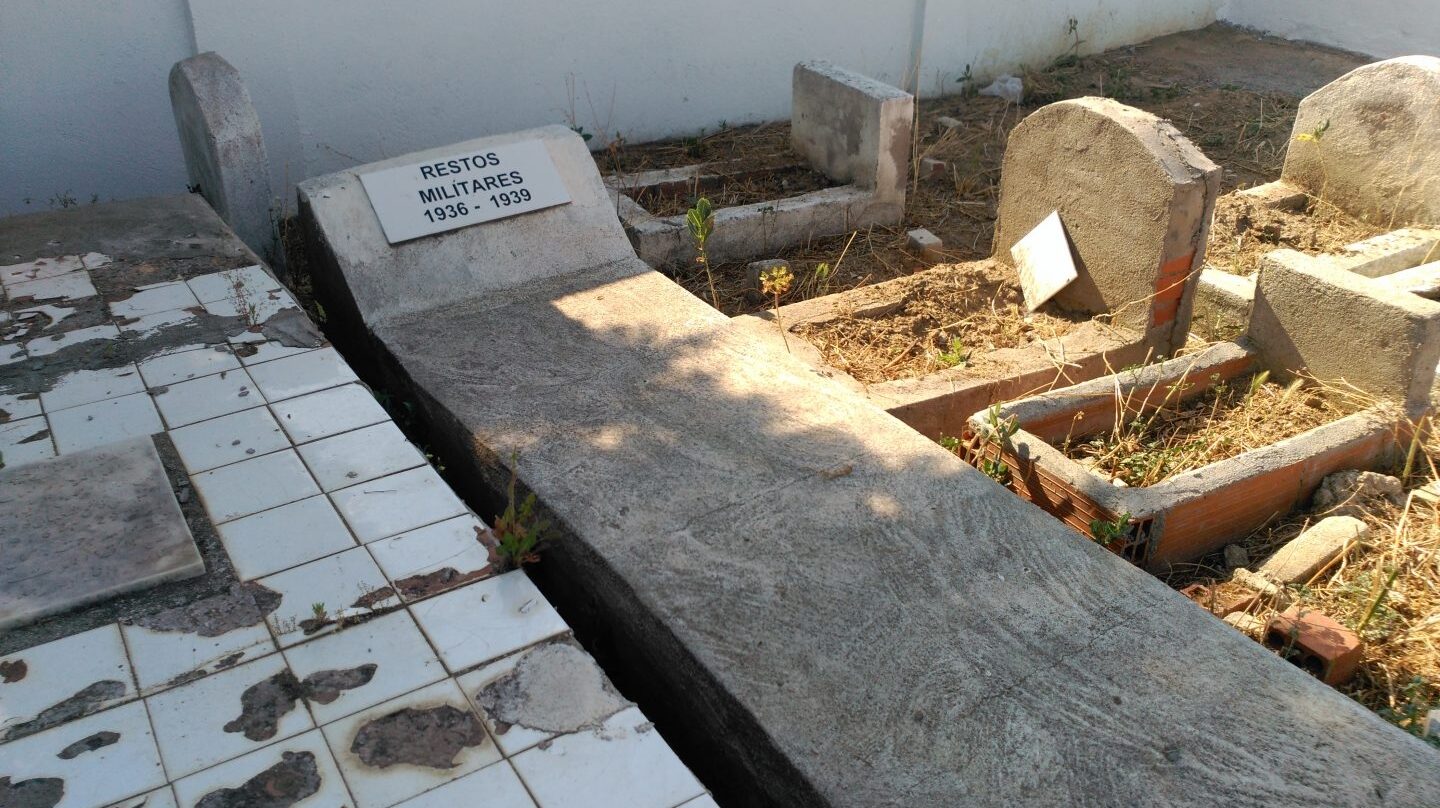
{"type": "Point", "coordinates": [160, 657]}
{"type": "Point", "coordinates": [12, 274]}
{"type": "Point", "coordinates": [180, 366]}
{"type": "Point", "coordinates": [402, 658]}
{"type": "Point", "coordinates": [13, 407]}
{"type": "Point", "coordinates": [87, 386]}
{"type": "Point", "coordinates": [25, 440]}
{"type": "Point", "coordinates": [303, 373]}
{"type": "Point", "coordinates": [228, 439]}
{"type": "Point", "coordinates": [449, 544]}
{"type": "Point", "coordinates": [158, 298]}
{"type": "Point", "coordinates": [159, 798]}
{"type": "Point", "coordinates": [360, 456]}
{"type": "Point", "coordinates": [397, 503]}
{"type": "Point", "coordinates": [221, 285]}
{"type": "Point", "coordinates": [336, 582]}
{"type": "Point", "coordinates": [331, 792]}
{"type": "Point", "coordinates": [50, 343]}
{"type": "Point", "coordinates": [58, 670]}
{"type": "Point", "coordinates": [328, 412]}
{"type": "Point", "coordinates": [208, 397]}
{"type": "Point", "coordinates": [485, 620]}
{"type": "Point", "coordinates": [115, 419]}
{"type": "Point", "coordinates": [101, 776]}
{"type": "Point", "coordinates": [69, 286]}
{"type": "Point", "coordinates": [254, 485]}
{"type": "Point", "coordinates": [284, 537]}
{"type": "Point", "coordinates": [495, 786]}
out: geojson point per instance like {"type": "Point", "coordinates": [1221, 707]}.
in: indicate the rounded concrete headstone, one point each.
{"type": "Point", "coordinates": [1366, 142]}
{"type": "Point", "coordinates": [1135, 198]}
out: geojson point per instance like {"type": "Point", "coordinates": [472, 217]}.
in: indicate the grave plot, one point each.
{"type": "Point", "coordinates": [229, 578]}
{"type": "Point", "coordinates": [844, 168]}
{"type": "Point", "coordinates": [1133, 199]}
{"type": "Point", "coordinates": [1166, 463]}
{"type": "Point", "coordinates": [1359, 187]}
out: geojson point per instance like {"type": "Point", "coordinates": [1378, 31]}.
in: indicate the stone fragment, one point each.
{"type": "Point", "coordinates": [262, 705]}
{"type": "Point", "coordinates": [1366, 142]}
{"type": "Point", "coordinates": [1305, 555]}
{"type": "Point", "coordinates": [1246, 623]}
{"type": "Point", "coordinates": [1044, 261]}
{"type": "Point", "coordinates": [945, 123]}
{"type": "Point", "coordinates": [852, 128]}
{"type": "Point", "coordinates": [554, 688]}
{"type": "Point", "coordinates": [1348, 493]}
{"type": "Point", "coordinates": [1315, 642]}
{"type": "Point", "coordinates": [1136, 199]}
{"type": "Point", "coordinates": [926, 246]}
{"type": "Point", "coordinates": [293, 779]}
{"type": "Point", "coordinates": [1258, 584]}
{"type": "Point", "coordinates": [1236, 556]}
{"type": "Point", "coordinates": [419, 737]}
{"type": "Point", "coordinates": [932, 168]}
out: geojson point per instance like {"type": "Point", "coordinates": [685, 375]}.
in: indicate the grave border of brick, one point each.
{"type": "Point", "coordinates": [853, 129]}
{"type": "Point", "coordinates": [1180, 518]}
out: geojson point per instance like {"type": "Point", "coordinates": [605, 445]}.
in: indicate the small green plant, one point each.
{"type": "Point", "coordinates": [580, 130]}
{"type": "Point", "coordinates": [996, 470]}
{"type": "Point", "coordinates": [997, 431]}
{"type": "Point", "coordinates": [63, 200]}
{"type": "Point", "coordinates": [956, 354]}
{"type": "Point", "coordinates": [949, 442]}
{"type": "Point", "coordinates": [968, 87]}
{"type": "Point", "coordinates": [517, 534]}
{"type": "Point", "coordinates": [1314, 135]}
{"type": "Point", "coordinates": [1106, 532]}
{"type": "Point", "coordinates": [1411, 713]}
{"type": "Point", "coordinates": [318, 610]}
{"type": "Point", "coordinates": [821, 278]}
{"type": "Point", "coordinates": [700, 221]}
{"type": "Point", "coordinates": [775, 282]}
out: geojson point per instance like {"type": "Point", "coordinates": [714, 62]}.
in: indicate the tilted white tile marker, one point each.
{"type": "Point", "coordinates": [464, 189]}
{"type": "Point", "coordinates": [1044, 261]}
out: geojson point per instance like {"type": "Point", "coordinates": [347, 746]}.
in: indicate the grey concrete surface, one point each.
{"type": "Point", "coordinates": [852, 128]}
{"type": "Point", "coordinates": [83, 527]}
{"type": "Point", "coordinates": [1135, 198]}
{"type": "Point", "coordinates": [824, 607]}
{"type": "Point", "coordinates": [224, 148]}
{"type": "Point", "coordinates": [1365, 142]}
{"type": "Point", "coordinates": [1391, 339]}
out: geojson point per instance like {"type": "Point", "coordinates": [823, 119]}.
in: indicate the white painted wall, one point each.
{"type": "Point", "coordinates": [84, 105]}
{"type": "Point", "coordinates": [1382, 28]}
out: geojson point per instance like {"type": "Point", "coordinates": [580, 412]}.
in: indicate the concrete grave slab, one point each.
{"type": "Point", "coordinates": [851, 128]}
{"type": "Point", "coordinates": [1136, 198]}
{"type": "Point", "coordinates": [1365, 142]}
{"type": "Point", "coordinates": [71, 536]}
{"type": "Point", "coordinates": [778, 575]}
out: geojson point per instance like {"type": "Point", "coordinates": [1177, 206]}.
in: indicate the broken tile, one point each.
{"type": "Point", "coordinates": [228, 439]}
{"type": "Point", "coordinates": [270, 541]}
{"type": "Point", "coordinates": [410, 745]}
{"type": "Point", "coordinates": [1044, 261]}
{"type": "Point", "coordinates": [148, 325]}
{"type": "Point", "coordinates": [24, 441]}
{"type": "Point", "coordinates": [95, 260]}
{"type": "Point", "coordinates": [339, 586]}
{"type": "Point", "coordinates": [10, 353]}
{"type": "Point", "coordinates": [300, 374]}
{"type": "Point", "coordinates": [546, 690]}
{"type": "Point", "coordinates": [98, 760]}
{"type": "Point", "coordinates": [50, 343]}
{"type": "Point", "coordinates": [155, 299]}
{"type": "Point", "coordinates": [208, 397]}
{"type": "Point", "coordinates": [269, 350]}
{"type": "Point", "coordinates": [104, 422]}
{"type": "Point", "coordinates": [328, 412]}
{"type": "Point", "coordinates": [298, 771]}
{"type": "Point", "coordinates": [495, 786]}
{"type": "Point", "coordinates": [360, 456]}
{"type": "Point", "coordinates": [394, 504]}
{"type": "Point", "coordinates": [69, 286]}
{"type": "Point", "coordinates": [222, 285]}
{"type": "Point", "coordinates": [624, 764]}
{"type": "Point", "coordinates": [15, 406]}
{"type": "Point", "coordinates": [486, 620]}
{"type": "Point", "coordinates": [192, 362]}
{"type": "Point", "coordinates": [364, 665]}
{"type": "Point", "coordinates": [254, 485]}
{"type": "Point", "coordinates": [227, 714]}
{"type": "Point", "coordinates": [62, 680]}
{"type": "Point", "coordinates": [172, 647]}
{"type": "Point", "coordinates": [39, 268]}
{"type": "Point", "coordinates": [255, 308]}
{"type": "Point", "coordinates": [88, 386]}
{"type": "Point", "coordinates": [432, 559]}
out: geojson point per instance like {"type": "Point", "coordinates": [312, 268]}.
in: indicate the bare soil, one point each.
{"type": "Point", "coordinates": [1244, 230]}
{"type": "Point", "coordinates": [732, 190]}
{"type": "Point", "coordinates": [950, 318]}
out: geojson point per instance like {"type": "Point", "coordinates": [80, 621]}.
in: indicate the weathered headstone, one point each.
{"type": "Point", "coordinates": [1366, 142]}
{"type": "Point", "coordinates": [852, 127]}
{"type": "Point", "coordinates": [224, 149]}
{"type": "Point", "coordinates": [86, 526]}
{"type": "Point", "coordinates": [1136, 199]}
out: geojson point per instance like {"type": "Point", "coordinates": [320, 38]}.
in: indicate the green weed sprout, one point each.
{"type": "Point", "coordinates": [700, 221]}
{"type": "Point", "coordinates": [775, 282]}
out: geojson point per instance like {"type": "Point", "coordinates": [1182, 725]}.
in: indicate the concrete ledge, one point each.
{"type": "Point", "coordinates": [1222, 304]}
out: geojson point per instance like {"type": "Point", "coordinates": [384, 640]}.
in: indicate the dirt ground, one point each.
{"type": "Point", "coordinates": [1230, 91]}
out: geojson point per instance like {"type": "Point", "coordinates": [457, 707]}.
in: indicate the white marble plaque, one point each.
{"type": "Point", "coordinates": [1044, 261]}
{"type": "Point", "coordinates": [464, 188]}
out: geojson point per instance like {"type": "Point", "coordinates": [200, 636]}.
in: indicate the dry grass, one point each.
{"type": "Point", "coordinates": [948, 318]}
{"type": "Point", "coordinates": [733, 190]}
{"type": "Point", "coordinates": [1243, 231]}
{"type": "Point", "coordinates": [1168, 435]}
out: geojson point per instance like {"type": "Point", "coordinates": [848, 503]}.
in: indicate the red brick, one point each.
{"type": "Point", "coordinates": [1316, 643]}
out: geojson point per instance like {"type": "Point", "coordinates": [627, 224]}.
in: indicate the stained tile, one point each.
{"type": "Point", "coordinates": [625, 764]}
{"type": "Point", "coordinates": [488, 619]}
{"type": "Point", "coordinates": [50, 343]}
{"type": "Point", "coordinates": [364, 665]}
{"type": "Point", "coordinates": [328, 412]}
{"type": "Point", "coordinates": [432, 559]}
{"type": "Point", "coordinates": [388, 756]}
{"type": "Point", "coordinates": [39, 268]}
{"type": "Point", "coordinates": [24, 441]}
{"type": "Point", "coordinates": [394, 504]}
{"type": "Point", "coordinates": [86, 672]}
{"type": "Point", "coordinates": [360, 456]}
{"type": "Point", "coordinates": [257, 351]}
{"type": "Point", "coordinates": [223, 285]}
{"type": "Point", "coordinates": [101, 759]}
{"type": "Point", "coordinates": [208, 397]}
{"type": "Point", "coordinates": [298, 771]}
{"type": "Point", "coordinates": [108, 421]}
{"type": "Point", "coordinates": [10, 353]}
{"type": "Point", "coordinates": [211, 720]}
{"type": "Point", "coordinates": [255, 308]}
{"type": "Point", "coordinates": [15, 406]}
{"type": "Point", "coordinates": [192, 363]}
{"type": "Point", "coordinates": [166, 654]}
{"type": "Point", "coordinates": [88, 386]}
{"type": "Point", "coordinates": [339, 586]}
{"type": "Point", "coordinates": [284, 537]}
{"type": "Point", "coordinates": [159, 798]}
{"type": "Point", "coordinates": [148, 325]}
{"type": "Point", "coordinates": [228, 439]}
{"type": "Point", "coordinates": [495, 786]}
{"type": "Point", "coordinates": [301, 374]}
{"type": "Point", "coordinates": [155, 299]}
{"type": "Point", "coordinates": [254, 485]}
{"type": "Point", "coordinates": [69, 286]}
